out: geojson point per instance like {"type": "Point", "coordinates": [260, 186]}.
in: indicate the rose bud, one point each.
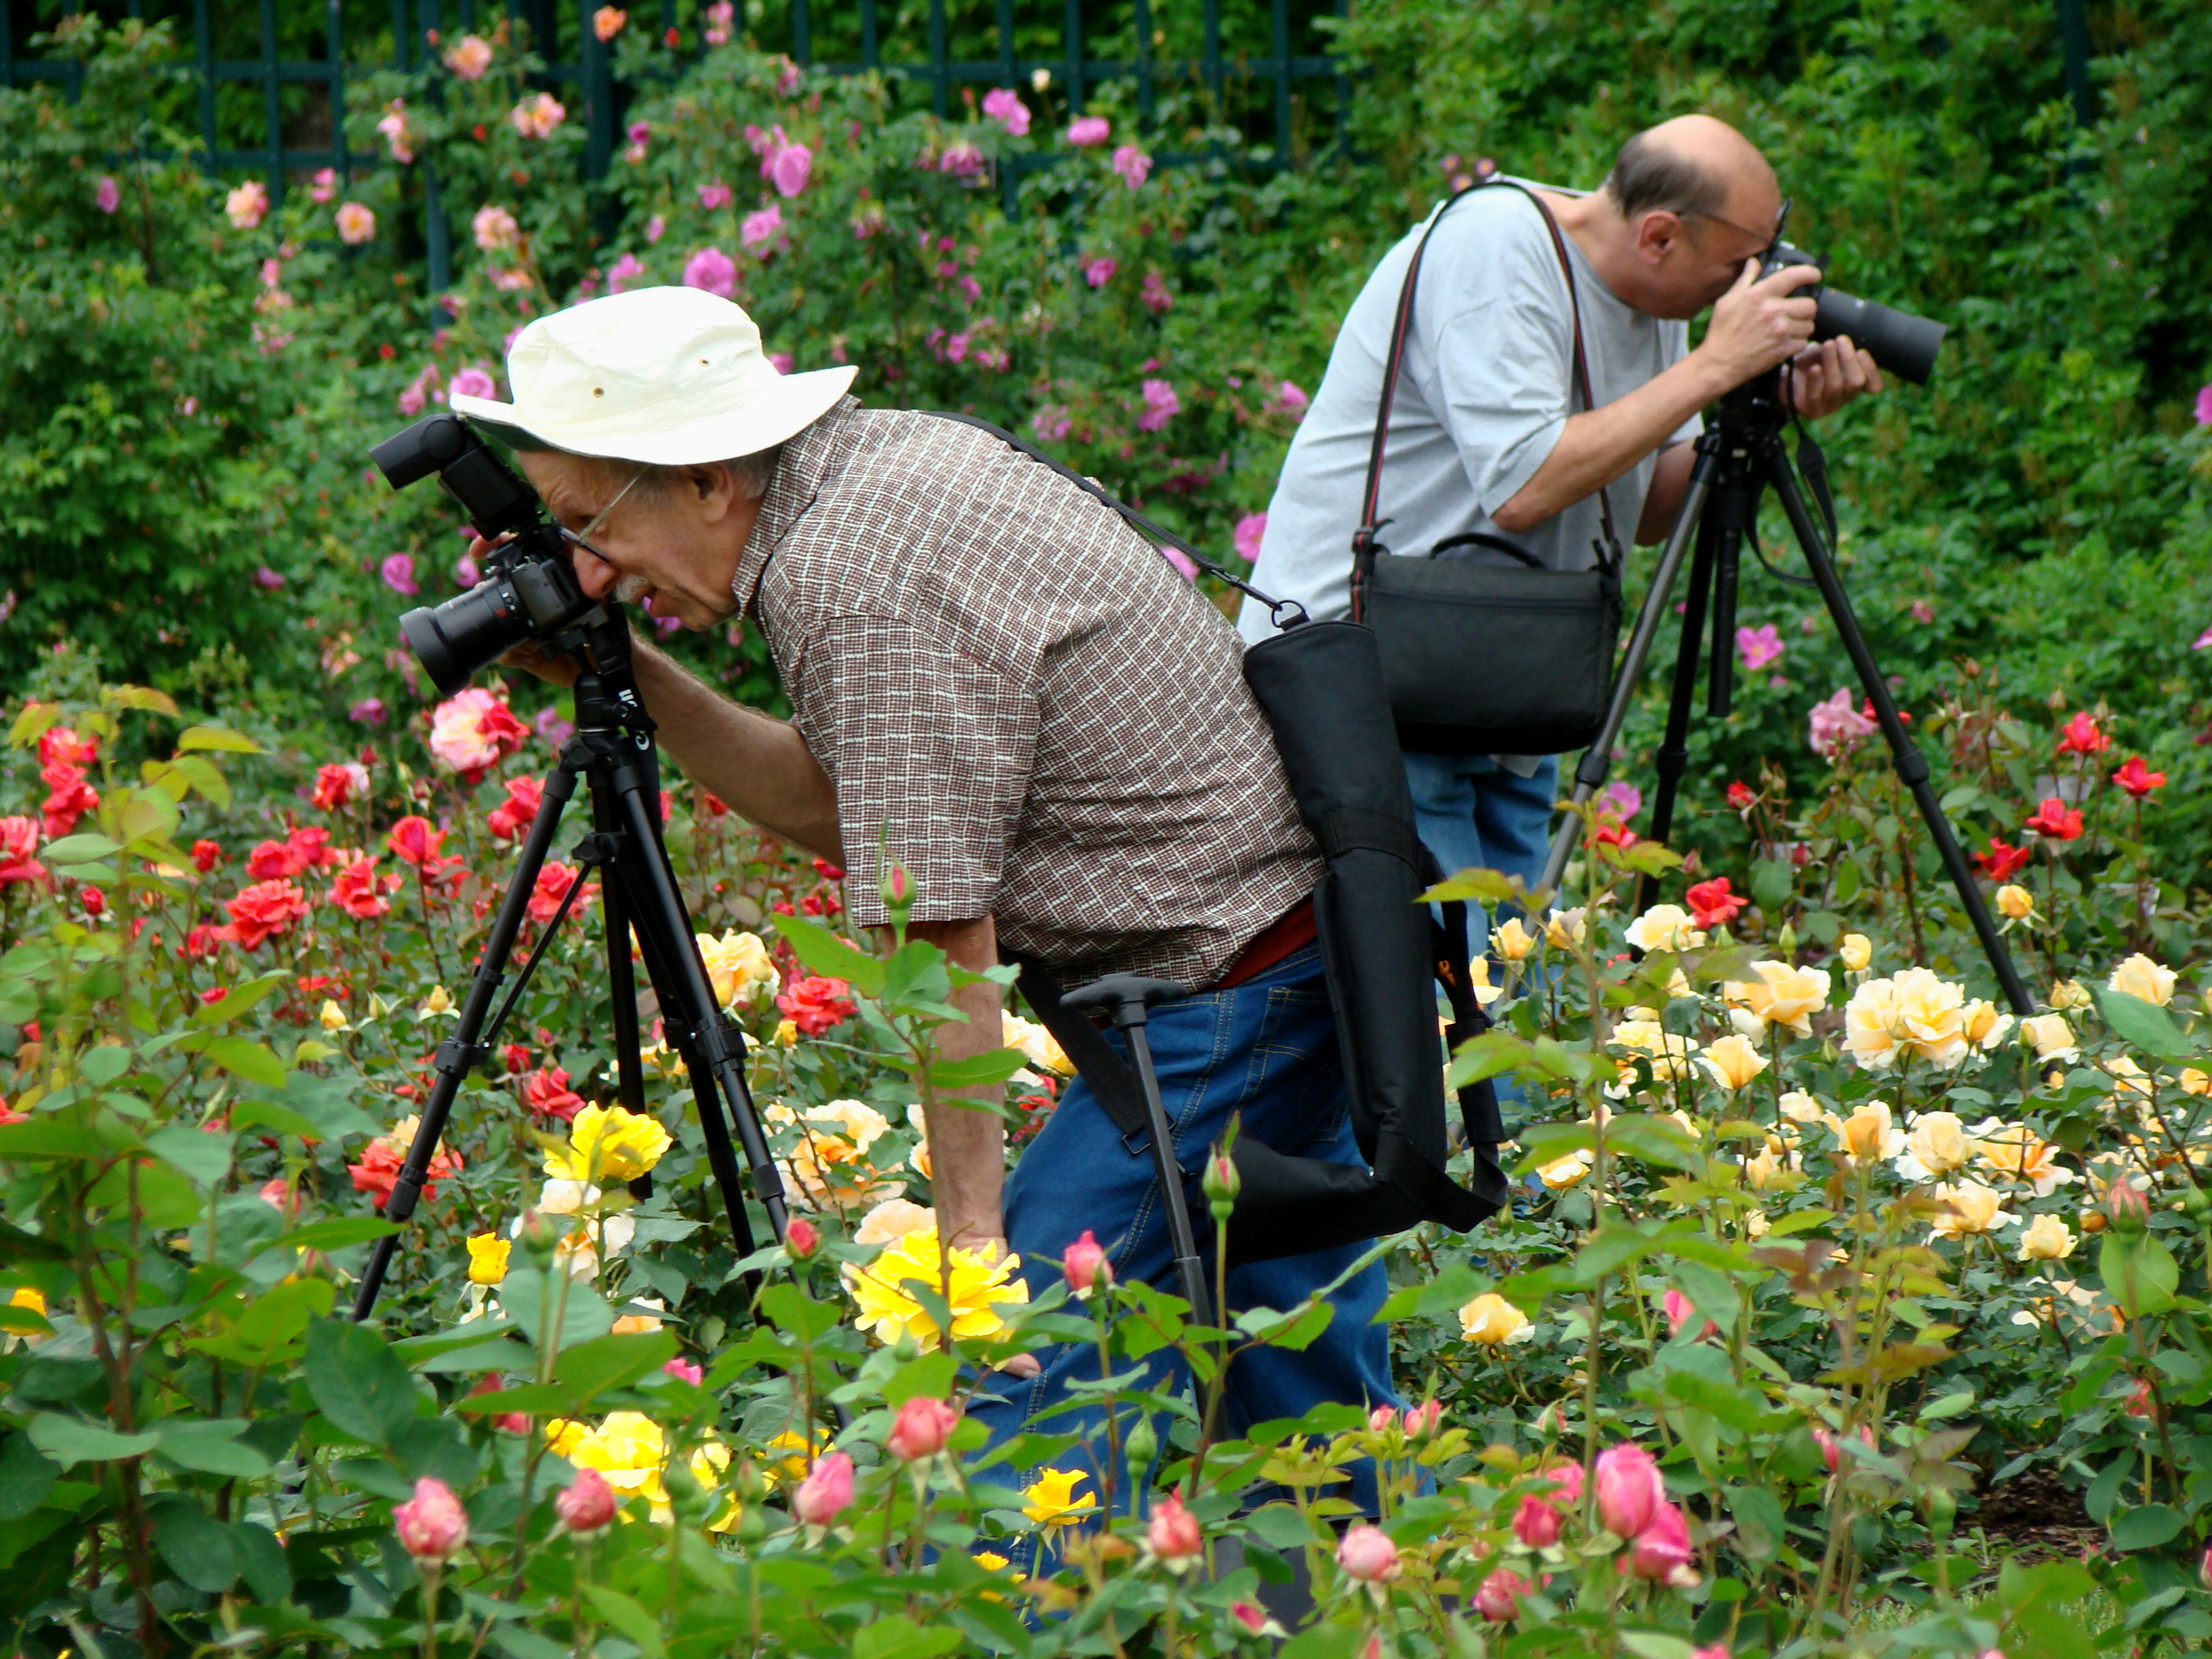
{"type": "Point", "coordinates": [1629, 1489]}
{"type": "Point", "coordinates": [801, 1237]}
{"type": "Point", "coordinates": [586, 1504]}
{"type": "Point", "coordinates": [1498, 1598]}
{"type": "Point", "coordinates": [1661, 1550]}
{"type": "Point", "coordinates": [826, 1493]}
{"type": "Point", "coordinates": [432, 1525]}
{"type": "Point", "coordinates": [1367, 1554]}
{"type": "Point", "coordinates": [1536, 1523]}
{"type": "Point", "coordinates": [1382, 1420]}
{"type": "Point", "coordinates": [1173, 1530]}
{"type": "Point", "coordinates": [923, 1426]}
{"type": "Point", "coordinates": [1421, 1420]}
{"type": "Point", "coordinates": [1085, 1264]}
{"type": "Point", "coordinates": [685, 1372]}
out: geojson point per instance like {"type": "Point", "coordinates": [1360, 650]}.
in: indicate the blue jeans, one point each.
{"type": "Point", "coordinates": [1266, 1049]}
{"type": "Point", "coordinates": [1474, 814]}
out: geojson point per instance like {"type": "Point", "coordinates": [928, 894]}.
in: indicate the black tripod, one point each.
{"type": "Point", "coordinates": [613, 749]}
{"type": "Point", "coordinates": [1738, 456]}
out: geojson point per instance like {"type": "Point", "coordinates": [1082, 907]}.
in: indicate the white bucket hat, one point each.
{"type": "Point", "coordinates": [670, 376]}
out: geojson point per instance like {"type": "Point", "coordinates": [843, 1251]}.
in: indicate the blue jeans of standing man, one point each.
{"type": "Point", "coordinates": [1474, 815]}
{"type": "Point", "coordinates": [1266, 1049]}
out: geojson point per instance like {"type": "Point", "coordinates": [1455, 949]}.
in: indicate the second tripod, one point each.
{"type": "Point", "coordinates": [1740, 455]}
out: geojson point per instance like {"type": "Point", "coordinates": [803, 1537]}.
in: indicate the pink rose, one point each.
{"type": "Point", "coordinates": [720, 16]}
{"type": "Point", "coordinates": [711, 270]}
{"type": "Point", "coordinates": [248, 205]}
{"type": "Point", "coordinates": [826, 1493]}
{"type": "Point", "coordinates": [495, 229]}
{"type": "Point", "coordinates": [1161, 404]}
{"type": "Point", "coordinates": [962, 161]}
{"type": "Point", "coordinates": [801, 1237]}
{"type": "Point", "coordinates": [1155, 295]}
{"type": "Point", "coordinates": [1836, 725]}
{"type": "Point", "coordinates": [470, 58]}
{"type": "Point", "coordinates": [392, 124]}
{"type": "Point", "coordinates": [356, 224]}
{"type": "Point", "coordinates": [1291, 398]}
{"type": "Point", "coordinates": [432, 1525]}
{"type": "Point", "coordinates": [683, 1371]}
{"type": "Point", "coordinates": [536, 118]}
{"type": "Point", "coordinates": [1053, 422]}
{"type": "Point", "coordinates": [1755, 648]}
{"type": "Point", "coordinates": [624, 271]}
{"type": "Point", "coordinates": [761, 228]}
{"type": "Point", "coordinates": [607, 22]}
{"type": "Point", "coordinates": [1498, 1597]}
{"type": "Point", "coordinates": [1367, 1554]}
{"type": "Point", "coordinates": [1085, 1262]}
{"type": "Point", "coordinates": [782, 362]}
{"type": "Point", "coordinates": [1536, 1523]}
{"type": "Point", "coordinates": [1250, 529]}
{"type": "Point", "coordinates": [1100, 272]}
{"type": "Point", "coordinates": [398, 573]}
{"type": "Point", "coordinates": [106, 197]}
{"type": "Point", "coordinates": [473, 382]}
{"type": "Point", "coordinates": [2204, 405]}
{"type": "Point", "coordinates": [473, 731]}
{"type": "Point", "coordinates": [1661, 1550]}
{"type": "Point", "coordinates": [1089, 130]}
{"type": "Point", "coordinates": [1133, 164]}
{"type": "Point", "coordinates": [922, 1428]}
{"type": "Point", "coordinates": [1004, 105]}
{"type": "Point", "coordinates": [1679, 1311]}
{"type": "Point", "coordinates": [1629, 1489]}
{"type": "Point", "coordinates": [586, 1504]}
{"type": "Point", "coordinates": [716, 196]}
{"type": "Point", "coordinates": [788, 172]}
{"type": "Point", "coordinates": [1172, 1532]}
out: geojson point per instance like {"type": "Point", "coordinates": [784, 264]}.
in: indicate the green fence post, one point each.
{"type": "Point", "coordinates": [1074, 33]}
{"type": "Point", "coordinates": [802, 35]}
{"type": "Point", "coordinates": [939, 71]}
{"type": "Point", "coordinates": [871, 56]}
{"type": "Point", "coordinates": [341, 158]}
{"type": "Point", "coordinates": [2074, 42]}
{"type": "Point", "coordinates": [272, 104]}
{"type": "Point", "coordinates": [204, 43]}
{"type": "Point", "coordinates": [1280, 11]}
{"type": "Point", "coordinates": [596, 76]}
{"type": "Point", "coordinates": [1142, 20]}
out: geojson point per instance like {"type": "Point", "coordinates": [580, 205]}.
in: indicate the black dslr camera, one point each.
{"type": "Point", "coordinates": [1902, 343]}
{"type": "Point", "coordinates": [530, 592]}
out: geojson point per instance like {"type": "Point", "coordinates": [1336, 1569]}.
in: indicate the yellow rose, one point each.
{"type": "Point", "coordinates": [2016, 1152]}
{"type": "Point", "coordinates": [1490, 1320]}
{"type": "Point", "coordinates": [1764, 1170]}
{"type": "Point", "coordinates": [1755, 1225]}
{"type": "Point", "coordinates": [332, 1017]}
{"type": "Point", "coordinates": [1665, 927]}
{"type": "Point", "coordinates": [1855, 951]}
{"type": "Point", "coordinates": [2047, 1239]}
{"type": "Point", "coordinates": [2139, 976]}
{"type": "Point", "coordinates": [27, 1296]}
{"type": "Point", "coordinates": [1800, 1107]}
{"type": "Point", "coordinates": [608, 1144]}
{"type": "Point", "coordinates": [2128, 1076]}
{"type": "Point", "coordinates": [1781, 995]}
{"type": "Point", "coordinates": [1983, 1026]}
{"type": "Point", "coordinates": [2051, 1036]}
{"type": "Point", "coordinates": [1870, 1135]}
{"type": "Point", "coordinates": [787, 1033]}
{"type": "Point", "coordinates": [438, 1002]}
{"type": "Point", "coordinates": [1050, 1501]}
{"type": "Point", "coordinates": [2016, 902]}
{"type": "Point", "coordinates": [894, 1219]}
{"type": "Point", "coordinates": [1511, 941]}
{"type": "Point", "coordinates": [1478, 979]}
{"type": "Point", "coordinates": [1936, 1146]}
{"type": "Point", "coordinates": [488, 1254]}
{"type": "Point", "coordinates": [1916, 1014]}
{"type": "Point", "coordinates": [975, 1285]}
{"type": "Point", "coordinates": [1872, 1022]}
{"type": "Point", "coordinates": [1970, 1210]}
{"type": "Point", "coordinates": [2194, 1082]}
{"type": "Point", "coordinates": [2069, 993]}
{"type": "Point", "coordinates": [1668, 1053]}
{"type": "Point", "coordinates": [630, 1452]}
{"type": "Point", "coordinates": [1564, 1172]}
{"type": "Point", "coordinates": [1038, 1046]}
{"type": "Point", "coordinates": [1564, 929]}
{"type": "Point", "coordinates": [1733, 1062]}
{"type": "Point", "coordinates": [738, 967]}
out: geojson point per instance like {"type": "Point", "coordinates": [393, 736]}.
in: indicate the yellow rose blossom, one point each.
{"type": "Point", "coordinates": [2047, 1239]}
{"type": "Point", "coordinates": [2014, 903]}
{"type": "Point", "coordinates": [2139, 976]}
{"type": "Point", "coordinates": [1755, 1225]}
{"type": "Point", "coordinates": [1870, 1135]}
{"type": "Point", "coordinates": [1511, 941]}
{"type": "Point", "coordinates": [608, 1144]}
{"type": "Point", "coordinates": [2195, 1082]}
{"type": "Point", "coordinates": [440, 1001]}
{"type": "Point", "coordinates": [1564, 929]}
{"type": "Point", "coordinates": [1982, 1024]}
{"type": "Point", "coordinates": [1855, 951]}
{"type": "Point", "coordinates": [2069, 993]}
{"type": "Point", "coordinates": [1051, 1501]}
{"type": "Point", "coordinates": [1733, 1062]}
{"type": "Point", "coordinates": [1800, 1107]}
{"type": "Point", "coordinates": [1478, 979]}
{"type": "Point", "coordinates": [1935, 1146]}
{"type": "Point", "coordinates": [1764, 1170]}
{"type": "Point", "coordinates": [787, 1033]}
{"type": "Point", "coordinates": [28, 1295]}
{"type": "Point", "coordinates": [1665, 927]}
{"type": "Point", "coordinates": [332, 1018]}
{"type": "Point", "coordinates": [1562, 1173]}
{"type": "Point", "coordinates": [738, 965]}
{"type": "Point", "coordinates": [1970, 1210]}
{"type": "Point", "coordinates": [1490, 1320]}
{"type": "Point", "coordinates": [2016, 1152]}
{"type": "Point", "coordinates": [1670, 1055]}
{"type": "Point", "coordinates": [2050, 1036]}
{"type": "Point", "coordinates": [488, 1254]}
{"type": "Point", "coordinates": [2128, 1077]}
{"type": "Point", "coordinates": [1914, 1015]}
{"type": "Point", "coordinates": [829, 1167]}
{"type": "Point", "coordinates": [1038, 1046]}
{"type": "Point", "coordinates": [975, 1284]}
{"type": "Point", "coordinates": [1781, 995]}
{"type": "Point", "coordinates": [892, 1220]}
{"type": "Point", "coordinates": [630, 1451]}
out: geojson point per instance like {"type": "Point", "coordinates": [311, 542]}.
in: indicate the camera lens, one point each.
{"type": "Point", "coordinates": [453, 641]}
{"type": "Point", "coordinates": [1899, 341]}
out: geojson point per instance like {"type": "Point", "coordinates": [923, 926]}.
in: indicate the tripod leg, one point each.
{"type": "Point", "coordinates": [1189, 1273]}
{"type": "Point", "coordinates": [1590, 770]}
{"type": "Point", "coordinates": [621, 979]}
{"type": "Point", "coordinates": [1733, 512]}
{"type": "Point", "coordinates": [1674, 756]}
{"type": "Point", "coordinates": [1912, 765]}
{"type": "Point", "coordinates": [460, 1052]}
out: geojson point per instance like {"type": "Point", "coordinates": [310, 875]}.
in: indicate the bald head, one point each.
{"type": "Point", "coordinates": [1694, 164]}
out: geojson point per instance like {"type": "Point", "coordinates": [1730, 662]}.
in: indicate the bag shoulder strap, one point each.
{"type": "Point", "coordinates": [1364, 542]}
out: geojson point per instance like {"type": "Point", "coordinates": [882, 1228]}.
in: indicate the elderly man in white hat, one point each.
{"type": "Point", "coordinates": [999, 684]}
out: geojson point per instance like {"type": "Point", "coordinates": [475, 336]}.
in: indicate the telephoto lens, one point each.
{"type": "Point", "coordinates": [1900, 342]}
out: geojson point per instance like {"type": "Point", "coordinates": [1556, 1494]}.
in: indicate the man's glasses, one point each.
{"type": "Point", "coordinates": [1766, 240]}
{"type": "Point", "coordinates": [582, 538]}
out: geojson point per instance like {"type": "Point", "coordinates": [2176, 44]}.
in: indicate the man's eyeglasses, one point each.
{"type": "Point", "coordinates": [582, 538]}
{"type": "Point", "coordinates": [1765, 238]}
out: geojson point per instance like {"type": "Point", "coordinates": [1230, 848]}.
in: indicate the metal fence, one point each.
{"type": "Point", "coordinates": [1261, 46]}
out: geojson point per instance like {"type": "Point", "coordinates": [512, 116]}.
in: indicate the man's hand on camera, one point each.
{"type": "Point", "coordinates": [526, 656]}
{"type": "Point", "coordinates": [1823, 378]}
{"type": "Point", "coordinates": [1760, 323]}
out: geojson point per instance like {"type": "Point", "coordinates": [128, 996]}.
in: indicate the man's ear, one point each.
{"type": "Point", "coordinates": [1656, 234]}
{"type": "Point", "coordinates": [714, 489]}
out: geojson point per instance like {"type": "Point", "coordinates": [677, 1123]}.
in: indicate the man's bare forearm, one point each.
{"type": "Point", "coordinates": [968, 1148]}
{"type": "Point", "coordinates": [760, 766]}
{"type": "Point", "coordinates": [1670, 481]}
{"type": "Point", "coordinates": [1600, 444]}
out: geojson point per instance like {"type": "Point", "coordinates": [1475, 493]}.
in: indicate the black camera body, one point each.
{"type": "Point", "coordinates": [530, 591]}
{"type": "Point", "coordinates": [1901, 343]}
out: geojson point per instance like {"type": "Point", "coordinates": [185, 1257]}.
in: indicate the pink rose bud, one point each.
{"type": "Point", "coordinates": [826, 1493]}
{"type": "Point", "coordinates": [432, 1525]}
{"type": "Point", "coordinates": [898, 890]}
{"type": "Point", "coordinates": [512, 1422]}
{"type": "Point", "coordinates": [1498, 1597]}
{"type": "Point", "coordinates": [1680, 1311]}
{"type": "Point", "coordinates": [801, 1237]}
{"type": "Point", "coordinates": [1720, 1650]}
{"type": "Point", "coordinates": [2204, 1567]}
{"type": "Point", "coordinates": [1085, 1264]}
{"type": "Point", "coordinates": [1661, 1551]}
{"type": "Point", "coordinates": [1830, 1453]}
{"type": "Point", "coordinates": [1222, 1182]}
{"type": "Point", "coordinates": [1566, 1481]}
{"type": "Point", "coordinates": [1367, 1554]}
{"type": "Point", "coordinates": [586, 1504]}
{"type": "Point", "coordinates": [1252, 1616]}
{"type": "Point", "coordinates": [923, 1426]}
{"type": "Point", "coordinates": [1629, 1489]}
{"type": "Point", "coordinates": [685, 1372]}
{"type": "Point", "coordinates": [2127, 1204]}
{"type": "Point", "coordinates": [1421, 1420]}
{"type": "Point", "coordinates": [1173, 1530]}
{"type": "Point", "coordinates": [1382, 1420]}
{"type": "Point", "coordinates": [1536, 1523]}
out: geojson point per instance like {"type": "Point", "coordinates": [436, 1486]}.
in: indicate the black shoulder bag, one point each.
{"type": "Point", "coordinates": [1485, 658]}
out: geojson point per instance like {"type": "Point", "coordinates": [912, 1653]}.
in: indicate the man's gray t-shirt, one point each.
{"type": "Point", "coordinates": [1483, 395]}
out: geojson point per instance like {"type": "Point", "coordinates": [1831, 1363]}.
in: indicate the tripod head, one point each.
{"type": "Point", "coordinates": [1756, 406]}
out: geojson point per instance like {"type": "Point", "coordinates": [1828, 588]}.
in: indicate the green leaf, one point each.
{"type": "Point", "coordinates": [334, 1234]}
{"type": "Point", "coordinates": [1322, 1642]}
{"type": "Point", "coordinates": [262, 1562]}
{"type": "Point", "coordinates": [1652, 1644]}
{"type": "Point", "coordinates": [929, 1375]}
{"type": "Point", "coordinates": [238, 1000]}
{"type": "Point", "coordinates": [202, 1158]}
{"type": "Point", "coordinates": [243, 1057]}
{"type": "Point", "coordinates": [977, 1071]}
{"type": "Point", "coordinates": [2144, 1025]}
{"type": "Point", "coordinates": [797, 1312]}
{"type": "Point", "coordinates": [356, 1381]}
{"type": "Point", "coordinates": [822, 952]}
{"type": "Point", "coordinates": [71, 1440]}
{"type": "Point", "coordinates": [1489, 888]}
{"type": "Point", "coordinates": [1451, 1288]}
{"type": "Point", "coordinates": [212, 1446]}
{"type": "Point", "coordinates": [2147, 1526]}
{"type": "Point", "coordinates": [220, 737]}
{"type": "Point", "coordinates": [2140, 1274]}
{"type": "Point", "coordinates": [631, 1619]}
{"type": "Point", "coordinates": [898, 1637]}
{"type": "Point", "coordinates": [523, 1297]}
{"type": "Point", "coordinates": [26, 1476]}
{"type": "Point", "coordinates": [613, 1361]}
{"type": "Point", "coordinates": [198, 1549]}
{"type": "Point", "coordinates": [1772, 882]}
{"type": "Point", "coordinates": [86, 848]}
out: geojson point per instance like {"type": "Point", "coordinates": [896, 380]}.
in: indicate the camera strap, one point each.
{"type": "Point", "coordinates": [1367, 543]}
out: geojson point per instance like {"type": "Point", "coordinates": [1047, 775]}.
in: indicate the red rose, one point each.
{"type": "Point", "coordinates": [828, 871]}
{"type": "Point", "coordinates": [265, 911]}
{"type": "Point", "coordinates": [203, 942]}
{"type": "Point", "coordinates": [2081, 736]}
{"type": "Point", "coordinates": [513, 815]}
{"type": "Point", "coordinates": [815, 1004]}
{"type": "Point", "coordinates": [1741, 797]}
{"type": "Point", "coordinates": [515, 1057]}
{"type": "Point", "coordinates": [414, 839]}
{"type": "Point", "coordinates": [1711, 904]}
{"type": "Point", "coordinates": [554, 881]}
{"type": "Point", "coordinates": [206, 855]}
{"type": "Point", "coordinates": [311, 847]}
{"type": "Point", "coordinates": [337, 784]}
{"type": "Point", "coordinates": [2135, 777]}
{"type": "Point", "coordinates": [2001, 860]}
{"type": "Point", "coordinates": [359, 891]}
{"type": "Point", "coordinates": [1615, 835]}
{"type": "Point", "coordinates": [548, 1092]}
{"type": "Point", "coordinates": [715, 804]}
{"type": "Point", "coordinates": [69, 798]}
{"type": "Point", "coordinates": [60, 746]}
{"type": "Point", "coordinates": [273, 860]}
{"type": "Point", "coordinates": [95, 901]}
{"type": "Point", "coordinates": [19, 839]}
{"type": "Point", "coordinates": [2056, 821]}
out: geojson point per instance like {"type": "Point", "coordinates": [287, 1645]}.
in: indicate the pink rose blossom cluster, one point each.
{"type": "Point", "coordinates": [323, 186]}
{"type": "Point", "coordinates": [474, 381]}
{"type": "Point", "coordinates": [1004, 105]}
{"type": "Point", "coordinates": [760, 230]}
{"type": "Point", "coordinates": [418, 395]}
{"type": "Point", "coordinates": [715, 196]}
{"type": "Point", "coordinates": [473, 731]}
{"type": "Point", "coordinates": [1052, 422]}
{"type": "Point", "coordinates": [962, 161]}
{"type": "Point", "coordinates": [1836, 725]}
{"type": "Point", "coordinates": [248, 205]}
{"type": "Point", "coordinates": [1161, 406]}
{"type": "Point", "coordinates": [1133, 164]}
{"type": "Point", "coordinates": [720, 17]}
{"type": "Point", "coordinates": [1755, 648]}
{"type": "Point", "coordinates": [1089, 130]}
{"type": "Point", "coordinates": [624, 271]}
{"type": "Point", "coordinates": [1155, 295]}
{"type": "Point", "coordinates": [1250, 529]}
{"type": "Point", "coordinates": [495, 229]}
{"type": "Point", "coordinates": [536, 118]}
{"type": "Point", "coordinates": [785, 164]}
{"type": "Point", "coordinates": [107, 196]}
{"type": "Point", "coordinates": [469, 56]}
{"type": "Point", "coordinates": [709, 269]}
{"type": "Point", "coordinates": [607, 22]}
{"type": "Point", "coordinates": [1100, 272]}
{"type": "Point", "coordinates": [357, 223]}
{"type": "Point", "coordinates": [392, 124]}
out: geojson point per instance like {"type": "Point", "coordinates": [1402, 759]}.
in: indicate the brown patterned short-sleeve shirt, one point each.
{"type": "Point", "coordinates": [1020, 699]}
